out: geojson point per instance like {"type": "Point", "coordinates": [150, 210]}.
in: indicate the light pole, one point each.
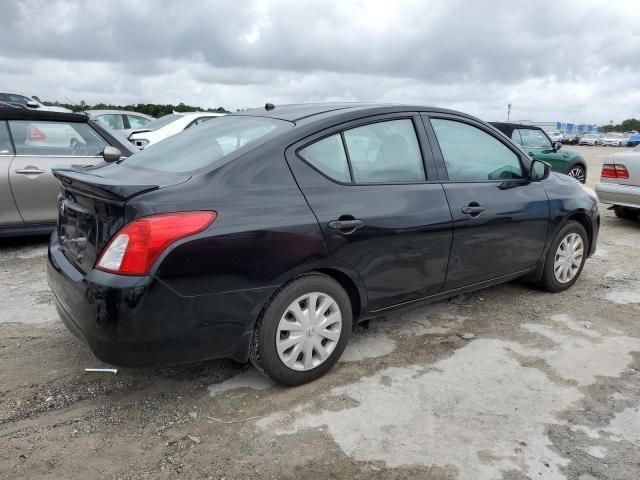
{"type": "Point", "coordinates": [508, 112]}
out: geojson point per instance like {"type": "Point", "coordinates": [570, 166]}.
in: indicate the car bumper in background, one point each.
{"type": "Point", "coordinates": [617, 194]}
{"type": "Point", "coordinates": [138, 321]}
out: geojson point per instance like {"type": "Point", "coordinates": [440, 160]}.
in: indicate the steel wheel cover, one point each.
{"type": "Point", "coordinates": [568, 258]}
{"type": "Point", "coordinates": [309, 331]}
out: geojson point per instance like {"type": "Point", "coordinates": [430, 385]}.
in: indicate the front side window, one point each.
{"type": "Point", "coordinates": [5, 141]}
{"type": "Point", "coordinates": [113, 121]}
{"type": "Point", "coordinates": [205, 146]}
{"type": "Point", "coordinates": [21, 99]}
{"type": "Point", "coordinates": [534, 138]}
{"type": "Point", "coordinates": [55, 138]}
{"type": "Point", "coordinates": [472, 155]}
{"type": "Point", "coordinates": [327, 155]}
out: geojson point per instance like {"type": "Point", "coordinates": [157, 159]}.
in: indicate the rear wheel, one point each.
{"type": "Point", "coordinates": [302, 331]}
{"type": "Point", "coordinates": [626, 213]}
{"type": "Point", "coordinates": [565, 258]}
{"type": "Point", "coordinates": [578, 172]}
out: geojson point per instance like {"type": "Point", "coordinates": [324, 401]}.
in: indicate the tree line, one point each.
{"type": "Point", "coordinates": [630, 124]}
{"type": "Point", "coordinates": [153, 109]}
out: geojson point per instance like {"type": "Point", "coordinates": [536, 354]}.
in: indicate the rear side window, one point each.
{"type": "Point", "coordinates": [203, 147]}
{"type": "Point", "coordinates": [113, 121]}
{"type": "Point", "coordinates": [55, 139]}
{"type": "Point", "coordinates": [515, 136]}
{"type": "Point", "coordinates": [327, 155]}
{"type": "Point", "coordinates": [381, 152]}
{"type": "Point", "coordinates": [5, 141]}
{"type": "Point", "coordinates": [471, 154]}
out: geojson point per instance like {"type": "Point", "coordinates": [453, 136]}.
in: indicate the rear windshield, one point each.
{"type": "Point", "coordinates": [204, 146]}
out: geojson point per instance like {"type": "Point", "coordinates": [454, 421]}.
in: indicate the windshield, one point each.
{"type": "Point", "coordinates": [162, 121]}
{"type": "Point", "coordinates": [205, 146]}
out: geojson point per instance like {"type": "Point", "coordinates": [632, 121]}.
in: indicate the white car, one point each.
{"type": "Point", "coordinates": [592, 139]}
{"type": "Point", "coordinates": [556, 136]}
{"type": "Point", "coordinates": [620, 183]}
{"type": "Point", "coordinates": [612, 139]}
{"type": "Point", "coordinates": [165, 127]}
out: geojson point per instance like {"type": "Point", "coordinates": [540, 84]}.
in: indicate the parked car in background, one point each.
{"type": "Point", "coordinates": [168, 125]}
{"type": "Point", "coordinates": [591, 139]}
{"type": "Point", "coordinates": [29, 102]}
{"type": "Point", "coordinates": [120, 119]}
{"type": "Point", "coordinates": [631, 139]}
{"type": "Point", "coordinates": [571, 138]}
{"type": "Point", "coordinates": [540, 147]}
{"type": "Point", "coordinates": [612, 139]}
{"type": "Point", "coordinates": [31, 143]}
{"type": "Point", "coordinates": [556, 136]}
{"type": "Point", "coordinates": [273, 249]}
{"type": "Point", "coordinates": [620, 183]}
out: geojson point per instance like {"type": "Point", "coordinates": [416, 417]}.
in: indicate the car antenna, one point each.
{"type": "Point", "coordinates": [74, 104]}
{"type": "Point", "coordinates": [269, 106]}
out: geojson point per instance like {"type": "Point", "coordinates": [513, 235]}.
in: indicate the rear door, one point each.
{"type": "Point", "coordinates": [8, 210]}
{"type": "Point", "coordinates": [500, 218]}
{"type": "Point", "coordinates": [39, 146]}
{"type": "Point", "coordinates": [372, 186]}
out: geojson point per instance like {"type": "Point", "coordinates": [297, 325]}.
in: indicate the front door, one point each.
{"type": "Point", "coordinates": [378, 209]}
{"type": "Point", "coordinates": [40, 146]}
{"type": "Point", "coordinates": [500, 218]}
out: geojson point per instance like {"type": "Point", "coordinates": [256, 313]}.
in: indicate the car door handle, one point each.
{"type": "Point", "coordinates": [29, 171]}
{"type": "Point", "coordinates": [342, 225]}
{"type": "Point", "coordinates": [473, 210]}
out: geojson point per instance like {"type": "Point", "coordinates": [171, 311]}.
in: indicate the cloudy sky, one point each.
{"type": "Point", "coordinates": [553, 60]}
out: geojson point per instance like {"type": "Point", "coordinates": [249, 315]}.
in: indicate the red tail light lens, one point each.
{"type": "Point", "coordinates": [36, 134]}
{"type": "Point", "coordinates": [614, 170]}
{"type": "Point", "coordinates": [136, 247]}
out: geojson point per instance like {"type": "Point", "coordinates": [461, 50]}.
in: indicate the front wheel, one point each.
{"type": "Point", "coordinates": [302, 331]}
{"type": "Point", "coordinates": [565, 258]}
{"type": "Point", "coordinates": [578, 172]}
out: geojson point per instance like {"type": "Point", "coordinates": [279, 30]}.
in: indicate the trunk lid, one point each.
{"type": "Point", "coordinates": [631, 161]}
{"type": "Point", "coordinates": [92, 205]}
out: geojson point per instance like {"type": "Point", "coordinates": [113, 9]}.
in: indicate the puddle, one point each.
{"type": "Point", "coordinates": [251, 379]}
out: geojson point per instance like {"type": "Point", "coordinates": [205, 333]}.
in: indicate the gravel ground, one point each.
{"type": "Point", "coordinates": [508, 382]}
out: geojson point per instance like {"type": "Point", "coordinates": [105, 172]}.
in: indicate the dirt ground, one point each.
{"type": "Point", "coordinates": [508, 383]}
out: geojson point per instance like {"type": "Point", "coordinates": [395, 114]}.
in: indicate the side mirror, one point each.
{"type": "Point", "coordinates": [33, 105]}
{"type": "Point", "coordinates": [111, 154]}
{"type": "Point", "coordinates": [556, 146]}
{"type": "Point", "coordinates": [539, 170]}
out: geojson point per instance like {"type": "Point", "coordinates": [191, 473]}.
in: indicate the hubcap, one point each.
{"type": "Point", "coordinates": [309, 331]}
{"type": "Point", "coordinates": [577, 173]}
{"type": "Point", "coordinates": [568, 258]}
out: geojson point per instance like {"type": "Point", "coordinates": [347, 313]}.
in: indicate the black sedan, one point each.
{"type": "Point", "coordinates": [267, 234]}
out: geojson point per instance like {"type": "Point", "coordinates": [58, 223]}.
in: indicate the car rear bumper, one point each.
{"type": "Point", "coordinates": [618, 194]}
{"type": "Point", "coordinates": [140, 321]}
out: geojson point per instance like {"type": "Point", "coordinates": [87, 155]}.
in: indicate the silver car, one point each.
{"type": "Point", "coordinates": [620, 183]}
{"type": "Point", "coordinates": [31, 143]}
{"type": "Point", "coordinates": [122, 120]}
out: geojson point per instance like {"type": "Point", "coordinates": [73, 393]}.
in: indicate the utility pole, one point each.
{"type": "Point", "coordinates": [508, 112]}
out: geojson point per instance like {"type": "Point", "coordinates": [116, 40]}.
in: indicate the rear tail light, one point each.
{"type": "Point", "coordinates": [136, 247]}
{"type": "Point", "coordinates": [614, 170]}
{"type": "Point", "coordinates": [36, 134]}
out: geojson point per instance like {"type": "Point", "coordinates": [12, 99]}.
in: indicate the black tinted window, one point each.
{"type": "Point", "coordinates": [385, 152]}
{"type": "Point", "coordinates": [197, 148]}
{"type": "Point", "coordinates": [327, 155]}
{"type": "Point", "coordinates": [471, 154]}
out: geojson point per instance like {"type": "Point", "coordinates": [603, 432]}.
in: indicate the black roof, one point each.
{"type": "Point", "coordinates": [12, 113]}
{"type": "Point", "coordinates": [303, 111]}
{"type": "Point", "coordinates": [510, 127]}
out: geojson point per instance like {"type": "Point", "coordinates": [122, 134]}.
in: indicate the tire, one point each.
{"type": "Point", "coordinates": [578, 172]}
{"type": "Point", "coordinates": [626, 213]}
{"type": "Point", "coordinates": [278, 317]}
{"type": "Point", "coordinates": [550, 280]}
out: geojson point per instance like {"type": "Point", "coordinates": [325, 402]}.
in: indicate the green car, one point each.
{"type": "Point", "coordinates": [536, 143]}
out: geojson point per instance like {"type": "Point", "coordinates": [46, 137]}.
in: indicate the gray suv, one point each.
{"type": "Point", "coordinates": [31, 143]}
